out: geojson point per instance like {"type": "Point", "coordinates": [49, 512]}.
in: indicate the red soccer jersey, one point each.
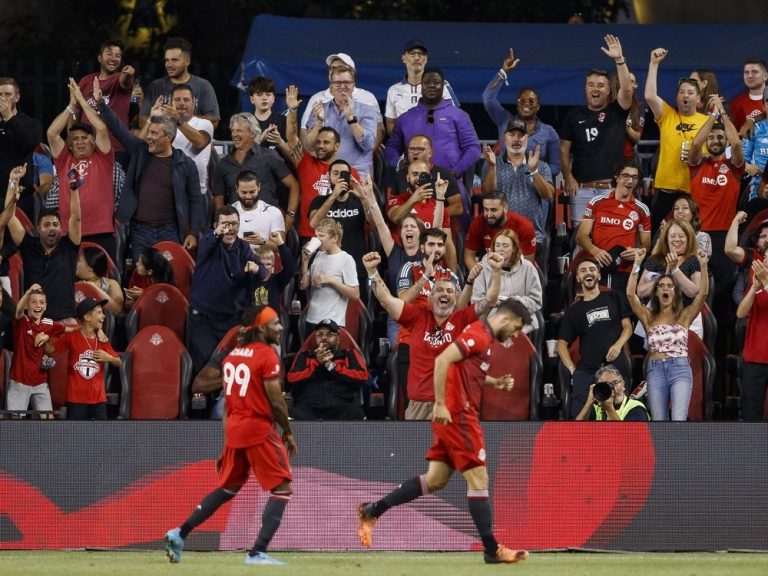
{"type": "Point", "coordinates": [480, 235]}
{"type": "Point", "coordinates": [427, 339]}
{"type": "Point", "coordinates": [617, 222]}
{"type": "Point", "coordinates": [313, 182]}
{"type": "Point", "coordinates": [464, 383]}
{"type": "Point", "coordinates": [755, 345]}
{"type": "Point", "coordinates": [85, 376]}
{"type": "Point", "coordinates": [424, 210]}
{"type": "Point", "coordinates": [25, 366]}
{"type": "Point", "coordinates": [715, 188]}
{"type": "Point", "coordinates": [249, 411]}
{"type": "Point", "coordinates": [743, 107]}
{"type": "Point", "coordinates": [97, 194]}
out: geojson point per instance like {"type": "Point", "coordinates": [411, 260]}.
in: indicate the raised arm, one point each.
{"type": "Point", "coordinates": [393, 306]}
{"type": "Point", "coordinates": [613, 50]}
{"type": "Point", "coordinates": [103, 142]}
{"type": "Point", "coordinates": [12, 195]}
{"type": "Point", "coordinates": [655, 103]}
{"type": "Point", "coordinates": [490, 97]}
{"type": "Point", "coordinates": [643, 314]}
{"type": "Point", "coordinates": [732, 248]}
{"type": "Point", "coordinates": [365, 189]}
{"type": "Point", "coordinates": [489, 180]}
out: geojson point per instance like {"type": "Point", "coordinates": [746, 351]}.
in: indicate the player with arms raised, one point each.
{"type": "Point", "coordinates": [458, 437]}
{"type": "Point", "coordinates": [254, 402]}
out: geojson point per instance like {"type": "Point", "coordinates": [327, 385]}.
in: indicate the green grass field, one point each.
{"type": "Point", "coordinates": [385, 563]}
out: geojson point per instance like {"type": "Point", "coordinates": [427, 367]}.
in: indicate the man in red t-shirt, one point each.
{"type": "Point", "coordinates": [254, 402]}
{"type": "Point", "coordinates": [430, 329]}
{"type": "Point", "coordinates": [31, 332]}
{"type": "Point", "coordinates": [87, 350]}
{"type": "Point", "coordinates": [747, 107]}
{"type": "Point", "coordinates": [116, 82]}
{"type": "Point", "coordinates": [614, 225]}
{"type": "Point", "coordinates": [754, 368]}
{"type": "Point", "coordinates": [496, 217]}
{"type": "Point", "coordinates": [87, 155]}
{"type": "Point", "coordinates": [715, 186]}
{"type": "Point", "coordinates": [458, 444]}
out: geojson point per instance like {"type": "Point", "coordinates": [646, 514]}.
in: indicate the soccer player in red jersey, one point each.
{"type": "Point", "coordinates": [254, 402]}
{"type": "Point", "coordinates": [458, 437]}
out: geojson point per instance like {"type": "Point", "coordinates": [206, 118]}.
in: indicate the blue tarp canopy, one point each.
{"type": "Point", "coordinates": [553, 57]}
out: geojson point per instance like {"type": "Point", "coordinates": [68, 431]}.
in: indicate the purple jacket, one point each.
{"type": "Point", "coordinates": [454, 139]}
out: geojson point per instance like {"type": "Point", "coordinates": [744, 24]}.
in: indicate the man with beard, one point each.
{"type": "Point", "coordinates": [614, 225]}
{"type": "Point", "coordinates": [268, 165]}
{"type": "Point", "coordinates": [600, 319]}
{"type": "Point", "coordinates": [525, 181]}
{"type": "Point", "coordinates": [257, 218]}
{"type": "Point", "coordinates": [420, 148]}
{"type": "Point", "coordinates": [178, 55]}
{"type": "Point", "coordinates": [496, 216]}
{"type": "Point", "coordinates": [431, 328]}
{"type": "Point", "coordinates": [453, 135]}
{"type": "Point", "coordinates": [617, 407]}
{"type": "Point", "coordinates": [254, 403]}
{"type": "Point", "coordinates": [221, 282]}
{"type": "Point", "coordinates": [595, 133]}
{"type": "Point", "coordinates": [86, 157]}
{"type": "Point", "coordinates": [677, 129]}
{"type": "Point", "coordinates": [116, 83]}
{"type": "Point", "coordinates": [715, 186]}
{"type": "Point", "coordinates": [747, 108]}
{"type": "Point", "coordinates": [354, 121]}
{"type": "Point", "coordinates": [49, 259]}
{"type": "Point", "coordinates": [404, 95]}
{"type": "Point", "coordinates": [193, 134]}
{"type": "Point", "coordinates": [540, 135]}
{"type": "Point", "coordinates": [758, 245]}
{"type": "Point", "coordinates": [326, 380]}
{"type": "Point", "coordinates": [458, 443]}
{"type": "Point", "coordinates": [416, 280]}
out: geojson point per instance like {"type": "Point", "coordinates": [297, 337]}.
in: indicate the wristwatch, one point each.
{"type": "Point", "coordinates": [291, 213]}
{"type": "Point", "coordinates": [353, 120]}
{"type": "Point", "coordinates": [331, 366]}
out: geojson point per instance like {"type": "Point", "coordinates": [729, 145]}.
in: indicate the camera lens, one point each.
{"type": "Point", "coordinates": [602, 391]}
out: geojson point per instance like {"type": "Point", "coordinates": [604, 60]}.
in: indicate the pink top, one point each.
{"type": "Point", "coordinates": [669, 339]}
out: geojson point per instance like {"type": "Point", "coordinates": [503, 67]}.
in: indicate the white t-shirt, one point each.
{"type": "Point", "coordinates": [403, 96]}
{"type": "Point", "coordinates": [325, 301]}
{"type": "Point", "coordinates": [202, 158]}
{"type": "Point", "coordinates": [358, 94]}
{"type": "Point", "coordinates": [263, 219]}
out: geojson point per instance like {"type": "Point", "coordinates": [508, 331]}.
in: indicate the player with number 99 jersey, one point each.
{"type": "Point", "coordinates": [249, 413]}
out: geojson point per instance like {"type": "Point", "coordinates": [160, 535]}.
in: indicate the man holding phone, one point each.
{"type": "Point", "coordinates": [345, 205]}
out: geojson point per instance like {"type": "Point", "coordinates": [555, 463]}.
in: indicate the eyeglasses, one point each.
{"type": "Point", "coordinates": [416, 53]}
{"type": "Point", "coordinates": [430, 117]}
{"type": "Point", "coordinates": [417, 150]}
{"type": "Point", "coordinates": [340, 83]}
{"type": "Point", "coordinates": [527, 100]}
{"type": "Point", "coordinates": [629, 176]}
{"type": "Point", "coordinates": [688, 81]}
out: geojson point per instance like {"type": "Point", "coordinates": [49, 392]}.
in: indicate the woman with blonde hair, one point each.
{"type": "Point", "coordinates": [519, 277]}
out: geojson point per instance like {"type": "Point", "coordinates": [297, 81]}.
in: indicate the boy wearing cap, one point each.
{"type": "Point", "coordinates": [404, 95]}
{"type": "Point", "coordinates": [28, 382]}
{"type": "Point", "coordinates": [86, 159]}
{"type": "Point", "coordinates": [326, 380]}
{"type": "Point", "coordinates": [87, 349]}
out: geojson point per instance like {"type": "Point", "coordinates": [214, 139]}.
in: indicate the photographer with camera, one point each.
{"type": "Point", "coordinates": [607, 399]}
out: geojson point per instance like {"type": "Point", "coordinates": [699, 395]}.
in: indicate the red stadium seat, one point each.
{"type": "Point", "coordinates": [358, 323]}
{"type": "Point", "coordinates": [182, 263]}
{"type": "Point", "coordinates": [24, 219]}
{"type": "Point", "coordinates": [161, 304]}
{"type": "Point", "coordinates": [520, 359]}
{"type": "Point", "coordinates": [155, 376]}
{"type": "Point", "coordinates": [5, 366]}
{"type": "Point", "coordinates": [16, 276]}
{"type": "Point", "coordinates": [703, 370]}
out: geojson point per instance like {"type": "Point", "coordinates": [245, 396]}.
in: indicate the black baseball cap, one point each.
{"type": "Point", "coordinates": [518, 125]}
{"type": "Point", "coordinates": [88, 304]}
{"type": "Point", "coordinates": [414, 43]}
{"type": "Point", "coordinates": [329, 324]}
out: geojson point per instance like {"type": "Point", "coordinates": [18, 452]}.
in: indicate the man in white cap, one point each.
{"type": "Point", "coordinates": [342, 60]}
{"type": "Point", "coordinates": [404, 95]}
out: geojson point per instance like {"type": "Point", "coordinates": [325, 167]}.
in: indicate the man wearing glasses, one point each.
{"type": "Point", "coordinates": [354, 121]}
{"type": "Point", "coordinates": [677, 129]}
{"type": "Point", "coordinates": [404, 95]}
{"type": "Point", "coordinates": [617, 406]}
{"type": "Point", "coordinates": [615, 224]}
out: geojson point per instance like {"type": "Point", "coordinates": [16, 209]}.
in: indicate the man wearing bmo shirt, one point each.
{"type": "Point", "coordinates": [431, 329]}
{"type": "Point", "coordinates": [614, 225]}
{"type": "Point", "coordinates": [715, 185]}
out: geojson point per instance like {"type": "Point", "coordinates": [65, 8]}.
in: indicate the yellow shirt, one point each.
{"type": "Point", "coordinates": [672, 173]}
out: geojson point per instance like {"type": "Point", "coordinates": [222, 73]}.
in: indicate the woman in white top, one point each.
{"type": "Point", "coordinates": [519, 277]}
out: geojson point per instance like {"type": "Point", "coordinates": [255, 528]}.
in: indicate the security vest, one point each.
{"type": "Point", "coordinates": [626, 407]}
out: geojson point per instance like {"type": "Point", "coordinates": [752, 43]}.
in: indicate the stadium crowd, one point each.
{"type": "Point", "coordinates": [124, 214]}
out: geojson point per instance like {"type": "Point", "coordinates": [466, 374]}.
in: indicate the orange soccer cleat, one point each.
{"type": "Point", "coordinates": [367, 524]}
{"type": "Point", "coordinates": [505, 555]}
